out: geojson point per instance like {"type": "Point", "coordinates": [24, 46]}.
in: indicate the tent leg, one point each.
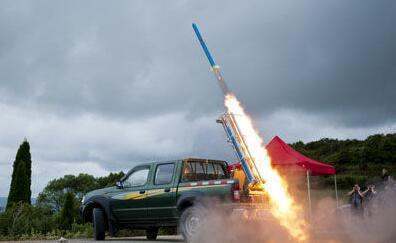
{"type": "Point", "coordinates": [309, 195]}
{"type": "Point", "coordinates": [335, 187]}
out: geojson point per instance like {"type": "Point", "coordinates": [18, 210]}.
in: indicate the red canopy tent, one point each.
{"type": "Point", "coordinates": [282, 154]}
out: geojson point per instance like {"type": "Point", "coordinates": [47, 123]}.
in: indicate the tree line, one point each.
{"type": "Point", "coordinates": [356, 161]}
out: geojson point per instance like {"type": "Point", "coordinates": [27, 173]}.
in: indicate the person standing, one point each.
{"type": "Point", "coordinates": [385, 175]}
{"type": "Point", "coordinates": [356, 198]}
{"type": "Point", "coordinates": [369, 194]}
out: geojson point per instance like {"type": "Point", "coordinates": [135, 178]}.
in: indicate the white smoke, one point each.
{"type": "Point", "coordinates": [327, 224]}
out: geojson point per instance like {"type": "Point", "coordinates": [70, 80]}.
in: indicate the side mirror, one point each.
{"type": "Point", "coordinates": [119, 185]}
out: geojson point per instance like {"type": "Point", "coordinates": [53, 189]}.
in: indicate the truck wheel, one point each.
{"type": "Point", "coordinates": [98, 224]}
{"type": "Point", "coordinates": [190, 220]}
{"type": "Point", "coordinates": [151, 233]}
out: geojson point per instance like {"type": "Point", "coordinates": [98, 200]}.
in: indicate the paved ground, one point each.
{"type": "Point", "coordinates": [142, 239]}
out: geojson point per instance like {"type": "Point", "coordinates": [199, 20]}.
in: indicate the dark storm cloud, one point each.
{"type": "Point", "coordinates": [122, 60]}
{"type": "Point", "coordinates": [132, 59]}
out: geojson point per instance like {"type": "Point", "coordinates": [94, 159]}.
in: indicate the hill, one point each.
{"type": "Point", "coordinates": [356, 161]}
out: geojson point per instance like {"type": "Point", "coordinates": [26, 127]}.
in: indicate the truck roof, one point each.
{"type": "Point", "coordinates": [184, 160]}
{"type": "Point", "coordinates": [204, 160]}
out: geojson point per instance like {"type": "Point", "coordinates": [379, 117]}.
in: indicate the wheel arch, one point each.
{"type": "Point", "coordinates": [96, 202]}
{"type": "Point", "coordinates": [188, 200]}
{"type": "Point", "coordinates": [88, 211]}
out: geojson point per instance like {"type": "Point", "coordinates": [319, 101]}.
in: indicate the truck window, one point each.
{"type": "Point", "coordinates": [137, 178]}
{"type": "Point", "coordinates": [188, 172]}
{"type": "Point", "coordinates": [220, 171]}
{"type": "Point", "coordinates": [210, 171]}
{"type": "Point", "coordinates": [164, 174]}
{"type": "Point", "coordinates": [198, 171]}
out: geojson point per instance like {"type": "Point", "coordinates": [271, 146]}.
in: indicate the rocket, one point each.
{"type": "Point", "coordinates": [215, 68]}
{"type": "Point", "coordinates": [230, 124]}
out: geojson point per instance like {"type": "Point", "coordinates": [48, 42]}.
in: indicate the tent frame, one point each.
{"type": "Point", "coordinates": [308, 173]}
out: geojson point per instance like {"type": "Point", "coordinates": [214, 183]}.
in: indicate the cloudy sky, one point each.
{"type": "Point", "coordinates": [98, 86]}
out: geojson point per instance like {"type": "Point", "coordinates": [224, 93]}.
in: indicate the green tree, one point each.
{"type": "Point", "coordinates": [67, 214]}
{"type": "Point", "coordinates": [109, 180]}
{"type": "Point", "coordinates": [54, 193]}
{"type": "Point", "coordinates": [21, 176]}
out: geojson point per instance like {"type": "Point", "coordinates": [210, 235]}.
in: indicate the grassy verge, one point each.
{"type": "Point", "coordinates": [78, 231]}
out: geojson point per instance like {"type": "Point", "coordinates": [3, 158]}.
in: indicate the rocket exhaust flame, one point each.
{"type": "Point", "coordinates": [282, 204]}
{"type": "Point", "coordinates": [255, 161]}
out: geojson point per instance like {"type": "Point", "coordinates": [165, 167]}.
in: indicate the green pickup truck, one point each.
{"type": "Point", "coordinates": [160, 194]}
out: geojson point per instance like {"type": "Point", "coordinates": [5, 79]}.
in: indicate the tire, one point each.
{"type": "Point", "coordinates": [98, 224]}
{"type": "Point", "coordinates": [190, 220]}
{"type": "Point", "coordinates": [152, 233]}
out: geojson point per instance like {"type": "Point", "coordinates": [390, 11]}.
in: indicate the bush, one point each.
{"type": "Point", "coordinates": [67, 214]}
{"type": "Point", "coordinates": [25, 222]}
{"type": "Point", "coordinates": [23, 219]}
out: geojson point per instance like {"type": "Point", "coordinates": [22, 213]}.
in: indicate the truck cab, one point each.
{"type": "Point", "coordinates": [159, 194]}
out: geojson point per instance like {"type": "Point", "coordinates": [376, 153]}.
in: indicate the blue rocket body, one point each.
{"type": "Point", "coordinates": [215, 68]}
{"type": "Point", "coordinates": [203, 45]}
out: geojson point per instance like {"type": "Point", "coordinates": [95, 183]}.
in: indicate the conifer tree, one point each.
{"type": "Point", "coordinates": [67, 214]}
{"type": "Point", "coordinates": [21, 176]}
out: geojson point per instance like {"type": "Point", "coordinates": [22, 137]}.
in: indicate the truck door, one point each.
{"type": "Point", "coordinates": [161, 197]}
{"type": "Point", "coordinates": [129, 204]}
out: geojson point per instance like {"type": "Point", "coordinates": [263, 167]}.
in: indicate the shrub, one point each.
{"type": "Point", "coordinates": [67, 214]}
{"type": "Point", "coordinates": [24, 219]}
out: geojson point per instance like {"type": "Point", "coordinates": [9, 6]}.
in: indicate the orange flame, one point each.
{"type": "Point", "coordinates": [283, 206]}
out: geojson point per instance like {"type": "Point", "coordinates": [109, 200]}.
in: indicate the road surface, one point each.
{"type": "Point", "coordinates": [138, 239]}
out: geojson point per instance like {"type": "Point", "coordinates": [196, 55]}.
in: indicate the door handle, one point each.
{"type": "Point", "coordinates": [167, 189]}
{"type": "Point", "coordinates": [142, 191]}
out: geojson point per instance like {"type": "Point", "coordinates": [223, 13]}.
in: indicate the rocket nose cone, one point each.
{"type": "Point", "coordinates": [195, 27]}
